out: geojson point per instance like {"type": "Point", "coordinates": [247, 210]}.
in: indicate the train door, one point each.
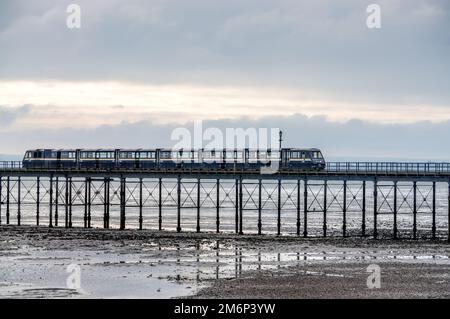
{"type": "Point", "coordinates": [58, 159]}
{"type": "Point", "coordinates": [137, 159]}
{"type": "Point", "coordinates": [284, 154]}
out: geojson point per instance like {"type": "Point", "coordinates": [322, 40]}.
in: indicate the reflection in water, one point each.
{"type": "Point", "coordinates": [206, 260]}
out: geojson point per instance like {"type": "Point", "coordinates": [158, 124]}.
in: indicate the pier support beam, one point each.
{"type": "Point", "coordinates": [241, 217]}
{"type": "Point", "coordinates": [363, 223]}
{"type": "Point", "coordinates": [305, 209]}
{"type": "Point", "coordinates": [89, 196]}
{"type": "Point", "coordinates": [140, 203]}
{"type": "Point", "coordinates": [160, 203]}
{"type": "Point", "coordinates": [344, 211]}
{"type": "Point", "coordinates": [50, 203]}
{"type": "Point", "coordinates": [106, 202]}
{"type": "Point", "coordinates": [66, 206]}
{"type": "Point", "coordinates": [179, 204]}
{"type": "Point", "coordinates": [298, 207]}
{"type": "Point", "coordinates": [395, 211]}
{"type": "Point", "coordinates": [1, 198]}
{"type": "Point", "coordinates": [8, 195]}
{"type": "Point", "coordinates": [218, 205]}
{"type": "Point", "coordinates": [19, 200]}
{"type": "Point", "coordinates": [433, 227]}
{"type": "Point", "coordinates": [325, 188]}
{"type": "Point", "coordinates": [86, 202]}
{"type": "Point", "coordinates": [38, 199]}
{"type": "Point", "coordinates": [70, 202]}
{"type": "Point", "coordinates": [279, 208]}
{"type": "Point", "coordinates": [236, 186]}
{"type": "Point", "coordinates": [56, 201]}
{"type": "Point", "coordinates": [415, 210]}
{"type": "Point", "coordinates": [448, 213]}
{"type": "Point", "coordinates": [259, 206]}
{"type": "Point", "coordinates": [198, 204]}
{"type": "Point", "coordinates": [375, 208]}
{"type": "Point", "coordinates": [122, 202]}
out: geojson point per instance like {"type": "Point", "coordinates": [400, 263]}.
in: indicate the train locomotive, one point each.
{"type": "Point", "coordinates": [110, 159]}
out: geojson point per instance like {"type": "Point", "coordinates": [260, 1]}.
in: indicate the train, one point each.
{"type": "Point", "coordinates": [110, 159]}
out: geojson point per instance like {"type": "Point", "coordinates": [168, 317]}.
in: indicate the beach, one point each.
{"type": "Point", "coordinates": [41, 262]}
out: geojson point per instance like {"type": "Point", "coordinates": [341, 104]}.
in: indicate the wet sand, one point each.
{"type": "Point", "coordinates": [147, 264]}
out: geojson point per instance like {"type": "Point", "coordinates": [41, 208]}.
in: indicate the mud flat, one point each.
{"type": "Point", "coordinates": [38, 262]}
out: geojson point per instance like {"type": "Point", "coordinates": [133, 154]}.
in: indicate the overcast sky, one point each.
{"type": "Point", "coordinates": [137, 69]}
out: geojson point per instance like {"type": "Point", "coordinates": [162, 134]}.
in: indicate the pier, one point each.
{"type": "Point", "coordinates": [367, 199]}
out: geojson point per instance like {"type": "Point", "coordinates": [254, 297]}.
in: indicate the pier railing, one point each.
{"type": "Point", "coordinates": [388, 167]}
{"type": "Point", "coordinates": [331, 167]}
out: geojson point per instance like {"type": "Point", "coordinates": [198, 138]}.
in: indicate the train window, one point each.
{"type": "Point", "coordinates": [64, 154]}
{"type": "Point", "coordinates": [104, 155]}
{"type": "Point", "coordinates": [317, 155]}
{"type": "Point", "coordinates": [165, 154]}
{"type": "Point", "coordinates": [274, 155]}
{"type": "Point", "coordinates": [229, 155]}
{"type": "Point", "coordinates": [253, 154]}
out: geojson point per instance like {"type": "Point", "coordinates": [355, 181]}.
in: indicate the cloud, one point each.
{"type": "Point", "coordinates": [353, 139]}
{"type": "Point", "coordinates": [320, 46]}
{"type": "Point", "coordinates": [9, 115]}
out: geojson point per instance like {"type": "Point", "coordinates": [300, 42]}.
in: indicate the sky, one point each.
{"type": "Point", "coordinates": [136, 70]}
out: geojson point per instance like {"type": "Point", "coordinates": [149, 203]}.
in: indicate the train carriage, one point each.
{"type": "Point", "coordinates": [214, 159]}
